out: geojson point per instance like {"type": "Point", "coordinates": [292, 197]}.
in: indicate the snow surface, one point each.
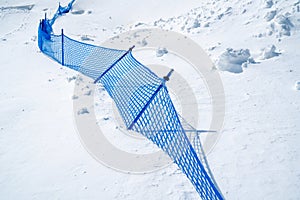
{"type": "Point", "coordinates": [258, 155]}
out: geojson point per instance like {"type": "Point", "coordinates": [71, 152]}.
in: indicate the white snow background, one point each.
{"type": "Point", "coordinates": [255, 47]}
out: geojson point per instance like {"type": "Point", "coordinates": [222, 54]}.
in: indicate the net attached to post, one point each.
{"type": "Point", "coordinates": [140, 95]}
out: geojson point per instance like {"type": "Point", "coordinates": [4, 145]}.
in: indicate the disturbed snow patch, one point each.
{"type": "Point", "coordinates": [234, 60]}
{"type": "Point", "coordinates": [285, 25]}
{"type": "Point", "coordinates": [69, 79]}
{"type": "Point", "coordinates": [77, 12]}
{"type": "Point", "coordinates": [86, 38]}
{"type": "Point", "coordinates": [270, 15]}
{"type": "Point", "coordinates": [83, 111]}
{"type": "Point", "coordinates": [268, 3]}
{"type": "Point", "coordinates": [269, 52]}
{"type": "Point", "coordinates": [143, 42]}
{"type": "Point", "coordinates": [161, 51]}
{"type": "Point", "coordinates": [23, 8]}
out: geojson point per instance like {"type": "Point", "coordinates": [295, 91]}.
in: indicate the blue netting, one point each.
{"type": "Point", "coordinates": [159, 122]}
{"type": "Point", "coordinates": [90, 60]}
{"type": "Point", "coordinates": [140, 96]}
{"type": "Point", "coordinates": [60, 11]}
{"type": "Point", "coordinates": [140, 84]}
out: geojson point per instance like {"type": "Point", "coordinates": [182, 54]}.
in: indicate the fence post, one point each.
{"type": "Point", "coordinates": [129, 50]}
{"type": "Point", "coordinates": [62, 48]}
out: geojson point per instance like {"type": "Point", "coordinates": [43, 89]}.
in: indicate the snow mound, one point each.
{"type": "Point", "coordinates": [234, 60]}
{"type": "Point", "coordinates": [269, 52]}
{"type": "Point", "coordinates": [297, 85]}
{"type": "Point", "coordinates": [161, 51]}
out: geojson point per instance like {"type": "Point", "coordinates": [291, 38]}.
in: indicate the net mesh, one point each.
{"type": "Point", "coordinates": [140, 96]}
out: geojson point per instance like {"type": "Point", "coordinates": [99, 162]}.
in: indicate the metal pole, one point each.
{"type": "Point", "coordinates": [167, 77]}
{"type": "Point", "coordinates": [62, 48]}
{"type": "Point", "coordinates": [129, 50]}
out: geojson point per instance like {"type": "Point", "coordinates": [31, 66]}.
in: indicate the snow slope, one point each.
{"type": "Point", "coordinates": [257, 157]}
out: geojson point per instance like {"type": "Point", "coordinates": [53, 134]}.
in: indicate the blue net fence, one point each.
{"type": "Point", "coordinates": [144, 103]}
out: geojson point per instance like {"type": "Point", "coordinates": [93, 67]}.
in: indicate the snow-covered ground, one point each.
{"type": "Point", "coordinates": [254, 45]}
